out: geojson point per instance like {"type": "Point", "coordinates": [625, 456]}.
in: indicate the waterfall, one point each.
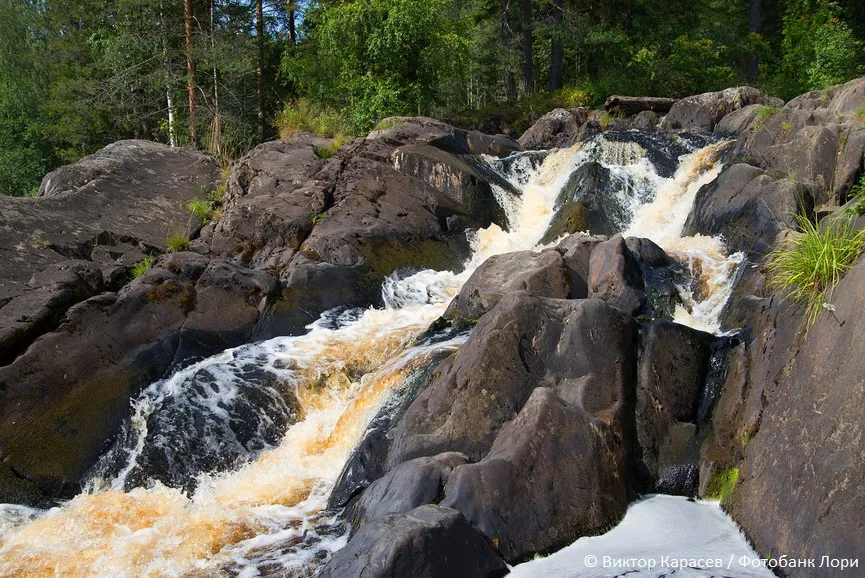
{"type": "Point", "coordinates": [229, 462]}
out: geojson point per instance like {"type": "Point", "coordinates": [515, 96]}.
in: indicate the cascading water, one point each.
{"type": "Point", "coordinates": [228, 463]}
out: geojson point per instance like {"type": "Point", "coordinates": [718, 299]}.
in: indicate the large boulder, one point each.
{"type": "Point", "coordinates": [523, 343]}
{"type": "Point", "coordinates": [58, 413]}
{"type": "Point", "coordinates": [576, 253]}
{"type": "Point", "coordinates": [409, 485]}
{"type": "Point", "coordinates": [615, 276]}
{"type": "Point", "coordinates": [748, 207]}
{"type": "Point", "coordinates": [548, 131]}
{"type": "Point", "coordinates": [555, 473]}
{"type": "Point", "coordinates": [542, 274]}
{"type": "Point", "coordinates": [702, 112]}
{"type": "Point", "coordinates": [427, 542]}
{"type": "Point", "coordinates": [463, 179]}
{"type": "Point", "coordinates": [334, 228]}
{"type": "Point", "coordinates": [672, 367]}
{"type": "Point", "coordinates": [798, 487]}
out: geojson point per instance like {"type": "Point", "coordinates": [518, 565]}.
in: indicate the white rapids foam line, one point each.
{"type": "Point", "coordinates": [656, 528]}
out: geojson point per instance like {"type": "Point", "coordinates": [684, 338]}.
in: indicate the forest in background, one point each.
{"type": "Point", "coordinates": [223, 75]}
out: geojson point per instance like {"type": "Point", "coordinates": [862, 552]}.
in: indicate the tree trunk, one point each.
{"type": "Point", "coordinates": [215, 137]}
{"type": "Point", "coordinates": [754, 28]}
{"type": "Point", "coordinates": [172, 130]}
{"type": "Point", "coordinates": [528, 40]}
{"type": "Point", "coordinates": [556, 49]}
{"type": "Point", "coordinates": [507, 36]}
{"type": "Point", "coordinates": [259, 33]}
{"type": "Point", "coordinates": [190, 69]}
{"type": "Point", "coordinates": [292, 31]}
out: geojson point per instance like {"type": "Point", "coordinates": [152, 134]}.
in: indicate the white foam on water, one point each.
{"type": "Point", "coordinates": [654, 529]}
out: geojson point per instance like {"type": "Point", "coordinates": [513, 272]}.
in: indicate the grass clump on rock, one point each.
{"type": "Point", "coordinates": [810, 263]}
{"type": "Point", "coordinates": [177, 243]}
{"type": "Point", "coordinates": [141, 267]}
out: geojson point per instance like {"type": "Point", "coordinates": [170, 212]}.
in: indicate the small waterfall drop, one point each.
{"type": "Point", "coordinates": [274, 422]}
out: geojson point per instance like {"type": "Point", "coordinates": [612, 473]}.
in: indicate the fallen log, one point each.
{"type": "Point", "coordinates": [631, 105]}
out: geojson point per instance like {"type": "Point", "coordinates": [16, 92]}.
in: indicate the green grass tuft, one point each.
{"type": "Point", "coordinates": [327, 151]}
{"type": "Point", "coordinates": [305, 115]}
{"type": "Point", "coordinates": [141, 267]}
{"type": "Point", "coordinates": [389, 122]}
{"type": "Point", "coordinates": [764, 112]}
{"type": "Point", "coordinates": [200, 208]}
{"type": "Point", "coordinates": [722, 484]}
{"type": "Point", "coordinates": [860, 114]}
{"type": "Point", "coordinates": [810, 263]}
{"type": "Point", "coordinates": [177, 243]}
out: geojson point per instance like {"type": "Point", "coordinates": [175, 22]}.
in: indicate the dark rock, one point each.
{"type": "Point", "coordinates": [576, 253]}
{"type": "Point", "coordinates": [671, 370]}
{"type": "Point", "coordinates": [51, 293]}
{"type": "Point", "coordinates": [464, 180]}
{"type": "Point", "coordinates": [542, 274]}
{"type": "Point", "coordinates": [702, 112]}
{"type": "Point", "coordinates": [409, 485]}
{"type": "Point", "coordinates": [58, 413]}
{"type": "Point", "coordinates": [632, 105]}
{"type": "Point", "coordinates": [543, 133]}
{"type": "Point", "coordinates": [124, 200]}
{"type": "Point", "coordinates": [662, 278]}
{"type": "Point", "coordinates": [799, 485]}
{"type": "Point", "coordinates": [647, 120]}
{"type": "Point", "coordinates": [427, 542]}
{"type": "Point", "coordinates": [584, 204]}
{"type": "Point", "coordinates": [615, 276]}
{"type": "Point", "coordinates": [748, 208]}
{"type": "Point", "coordinates": [523, 343]}
{"type": "Point", "coordinates": [817, 142]}
{"type": "Point", "coordinates": [555, 473]}
{"type": "Point", "coordinates": [15, 490]}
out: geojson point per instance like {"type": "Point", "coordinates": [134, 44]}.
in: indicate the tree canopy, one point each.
{"type": "Point", "coordinates": [76, 75]}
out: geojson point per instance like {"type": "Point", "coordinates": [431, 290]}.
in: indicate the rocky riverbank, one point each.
{"type": "Point", "coordinates": [576, 390]}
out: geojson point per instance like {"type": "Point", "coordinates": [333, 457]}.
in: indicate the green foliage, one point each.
{"type": "Point", "coordinates": [200, 208]}
{"type": "Point", "coordinates": [176, 243]}
{"type": "Point", "coordinates": [811, 262]}
{"type": "Point", "coordinates": [317, 218]}
{"type": "Point", "coordinates": [818, 48]}
{"type": "Point", "coordinates": [141, 267]}
{"type": "Point", "coordinates": [379, 58]}
{"type": "Point", "coordinates": [722, 484]}
{"type": "Point", "coordinates": [837, 55]}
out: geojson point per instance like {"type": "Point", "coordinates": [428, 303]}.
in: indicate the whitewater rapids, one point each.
{"type": "Point", "coordinates": [267, 512]}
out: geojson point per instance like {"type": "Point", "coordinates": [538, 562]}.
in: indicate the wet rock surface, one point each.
{"type": "Point", "coordinates": [429, 541]}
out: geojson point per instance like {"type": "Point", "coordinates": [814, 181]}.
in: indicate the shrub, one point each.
{"type": "Point", "coordinates": [836, 55]}
{"type": "Point", "coordinates": [177, 243]}
{"type": "Point", "coordinates": [810, 263]}
{"type": "Point", "coordinates": [141, 267]}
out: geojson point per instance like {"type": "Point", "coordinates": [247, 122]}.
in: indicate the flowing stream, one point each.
{"type": "Point", "coordinates": [227, 465]}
